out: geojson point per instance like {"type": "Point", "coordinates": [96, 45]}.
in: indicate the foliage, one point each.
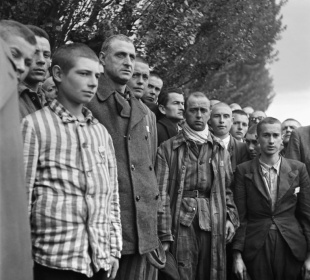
{"type": "Point", "coordinates": [220, 47]}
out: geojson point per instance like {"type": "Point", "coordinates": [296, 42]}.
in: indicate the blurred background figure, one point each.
{"type": "Point", "coordinates": [235, 106]}
{"type": "Point", "coordinates": [49, 88]}
{"type": "Point", "coordinates": [240, 125]}
{"type": "Point", "coordinates": [256, 117]}
{"type": "Point", "coordinates": [248, 110]}
{"type": "Point", "coordinates": [287, 128]}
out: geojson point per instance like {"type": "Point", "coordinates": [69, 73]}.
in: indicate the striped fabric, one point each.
{"type": "Point", "coordinates": [71, 178]}
{"type": "Point", "coordinates": [171, 167]}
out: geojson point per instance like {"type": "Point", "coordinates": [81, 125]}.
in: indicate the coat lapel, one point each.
{"type": "Point", "coordinates": [257, 179]}
{"type": "Point", "coordinates": [286, 178]}
{"type": "Point", "coordinates": [137, 113]}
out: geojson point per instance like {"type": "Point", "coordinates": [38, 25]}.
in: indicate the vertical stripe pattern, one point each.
{"type": "Point", "coordinates": [71, 178]}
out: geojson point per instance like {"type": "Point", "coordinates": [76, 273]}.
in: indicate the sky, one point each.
{"type": "Point", "coordinates": [291, 75]}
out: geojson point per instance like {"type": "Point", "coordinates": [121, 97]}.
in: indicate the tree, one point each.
{"type": "Point", "coordinates": [219, 47]}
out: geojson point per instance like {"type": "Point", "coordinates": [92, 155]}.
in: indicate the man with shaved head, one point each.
{"type": "Point", "coordinates": [235, 106]}
{"type": "Point", "coordinates": [248, 110]}
{"type": "Point", "coordinates": [256, 117]}
{"type": "Point", "coordinates": [194, 175]}
{"type": "Point", "coordinates": [240, 125]}
{"type": "Point", "coordinates": [221, 121]}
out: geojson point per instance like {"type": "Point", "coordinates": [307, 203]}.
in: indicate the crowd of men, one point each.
{"type": "Point", "coordinates": [127, 179]}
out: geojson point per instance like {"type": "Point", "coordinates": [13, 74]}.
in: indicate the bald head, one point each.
{"type": "Point", "coordinates": [256, 117]}
{"type": "Point", "coordinates": [221, 120]}
{"type": "Point", "coordinates": [235, 106]}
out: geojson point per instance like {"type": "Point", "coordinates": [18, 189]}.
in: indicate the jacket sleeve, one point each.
{"type": "Point", "coordinates": [303, 205]}
{"type": "Point", "coordinates": [31, 156]}
{"type": "Point", "coordinates": [231, 208]}
{"type": "Point", "coordinates": [115, 227]}
{"type": "Point", "coordinates": [240, 200]}
{"type": "Point", "coordinates": [164, 216]}
{"type": "Point", "coordinates": [293, 148]}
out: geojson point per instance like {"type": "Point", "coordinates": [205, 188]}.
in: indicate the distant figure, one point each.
{"type": "Point", "coordinates": [256, 117]}
{"type": "Point", "coordinates": [155, 85]}
{"type": "Point", "coordinates": [171, 107]}
{"type": "Point", "coordinates": [240, 125]}
{"type": "Point", "coordinates": [287, 128]}
{"type": "Point", "coordinates": [49, 88]}
{"type": "Point", "coordinates": [299, 146]}
{"type": "Point", "coordinates": [253, 147]}
{"type": "Point", "coordinates": [221, 122]}
{"type": "Point", "coordinates": [248, 110]}
{"type": "Point", "coordinates": [235, 106]}
{"type": "Point", "coordinates": [17, 47]}
{"type": "Point", "coordinates": [31, 96]}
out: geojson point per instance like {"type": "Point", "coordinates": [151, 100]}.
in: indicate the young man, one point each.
{"type": "Point", "coordinates": [138, 83]}
{"type": "Point", "coordinates": [194, 176]}
{"type": "Point", "coordinates": [17, 46]}
{"type": "Point", "coordinates": [124, 117]}
{"type": "Point", "coordinates": [288, 126]}
{"type": "Point", "coordinates": [253, 147]}
{"type": "Point", "coordinates": [240, 125]}
{"type": "Point", "coordinates": [71, 177]}
{"type": "Point", "coordinates": [171, 107]}
{"type": "Point", "coordinates": [272, 195]}
{"type": "Point", "coordinates": [31, 96]}
{"type": "Point", "coordinates": [155, 84]}
{"type": "Point", "coordinates": [221, 122]}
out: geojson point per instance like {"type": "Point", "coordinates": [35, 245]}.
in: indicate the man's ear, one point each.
{"type": "Point", "coordinates": [102, 57]}
{"type": "Point", "coordinates": [162, 109]}
{"type": "Point", "coordinates": [57, 73]}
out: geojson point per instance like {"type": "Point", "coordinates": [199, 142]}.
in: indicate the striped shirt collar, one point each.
{"type": "Point", "coordinates": [266, 167]}
{"type": "Point", "coordinates": [67, 117]}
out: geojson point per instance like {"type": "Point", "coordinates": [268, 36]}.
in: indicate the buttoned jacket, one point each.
{"type": "Point", "coordinates": [238, 152]}
{"type": "Point", "coordinates": [139, 195]}
{"type": "Point", "coordinates": [291, 214]}
{"type": "Point", "coordinates": [171, 164]}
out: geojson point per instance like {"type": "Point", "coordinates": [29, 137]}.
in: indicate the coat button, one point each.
{"type": "Point", "coordinates": [157, 196]}
{"type": "Point", "coordinates": [151, 168]}
{"type": "Point", "coordinates": [129, 137]}
{"type": "Point", "coordinates": [133, 167]}
{"type": "Point", "coordinates": [183, 167]}
{"type": "Point", "coordinates": [146, 137]}
{"type": "Point", "coordinates": [138, 197]}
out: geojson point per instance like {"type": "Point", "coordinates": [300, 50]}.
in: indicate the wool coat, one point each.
{"type": "Point", "coordinates": [166, 129]}
{"type": "Point", "coordinates": [291, 214]}
{"type": "Point", "coordinates": [171, 163]}
{"type": "Point", "coordinates": [299, 146]}
{"type": "Point", "coordinates": [238, 152]}
{"type": "Point", "coordinates": [139, 195]}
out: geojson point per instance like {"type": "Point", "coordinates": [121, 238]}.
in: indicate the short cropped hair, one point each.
{"type": "Point", "coordinates": [141, 59]}
{"type": "Point", "coordinates": [11, 27]}
{"type": "Point", "coordinates": [155, 74]}
{"type": "Point", "coordinates": [268, 120]}
{"type": "Point", "coordinates": [195, 94]}
{"type": "Point", "coordinates": [240, 112]}
{"type": "Point", "coordinates": [105, 48]}
{"type": "Point", "coordinates": [291, 120]}
{"type": "Point", "coordinates": [38, 32]}
{"type": "Point", "coordinates": [163, 97]}
{"type": "Point", "coordinates": [66, 55]}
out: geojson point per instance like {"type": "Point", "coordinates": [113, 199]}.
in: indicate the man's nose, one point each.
{"type": "Point", "coordinates": [127, 60]}
{"type": "Point", "coordinates": [40, 58]}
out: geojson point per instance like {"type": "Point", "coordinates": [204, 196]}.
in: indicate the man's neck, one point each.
{"type": "Point", "coordinates": [33, 86]}
{"type": "Point", "coordinates": [116, 86]}
{"type": "Point", "coordinates": [269, 159]}
{"type": "Point", "coordinates": [74, 109]}
{"type": "Point", "coordinates": [222, 137]}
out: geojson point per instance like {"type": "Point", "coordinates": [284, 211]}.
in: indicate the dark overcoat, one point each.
{"type": "Point", "coordinates": [139, 196]}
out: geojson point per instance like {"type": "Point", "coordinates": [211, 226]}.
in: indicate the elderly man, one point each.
{"type": "Point", "coordinates": [199, 216]}
{"type": "Point", "coordinates": [287, 128]}
{"type": "Point", "coordinates": [221, 122]}
{"type": "Point", "coordinates": [272, 195]}
{"type": "Point", "coordinates": [31, 96]}
{"type": "Point", "coordinates": [256, 117]}
{"type": "Point", "coordinates": [124, 117]}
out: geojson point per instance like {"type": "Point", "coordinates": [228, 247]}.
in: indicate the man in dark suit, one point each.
{"type": "Point", "coordinates": [272, 195]}
{"type": "Point", "coordinates": [299, 146]}
{"type": "Point", "coordinates": [125, 119]}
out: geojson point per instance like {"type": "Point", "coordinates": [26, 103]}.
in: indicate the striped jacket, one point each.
{"type": "Point", "coordinates": [71, 180]}
{"type": "Point", "coordinates": [171, 163]}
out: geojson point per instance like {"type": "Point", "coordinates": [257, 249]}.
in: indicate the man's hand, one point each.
{"type": "Point", "coordinates": [230, 231]}
{"type": "Point", "coordinates": [166, 245]}
{"type": "Point", "coordinates": [306, 268]}
{"type": "Point", "coordinates": [114, 267]}
{"type": "Point", "coordinates": [239, 268]}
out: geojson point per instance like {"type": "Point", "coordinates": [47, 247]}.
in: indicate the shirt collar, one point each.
{"type": "Point", "coordinates": [266, 167]}
{"type": "Point", "coordinates": [67, 117]}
